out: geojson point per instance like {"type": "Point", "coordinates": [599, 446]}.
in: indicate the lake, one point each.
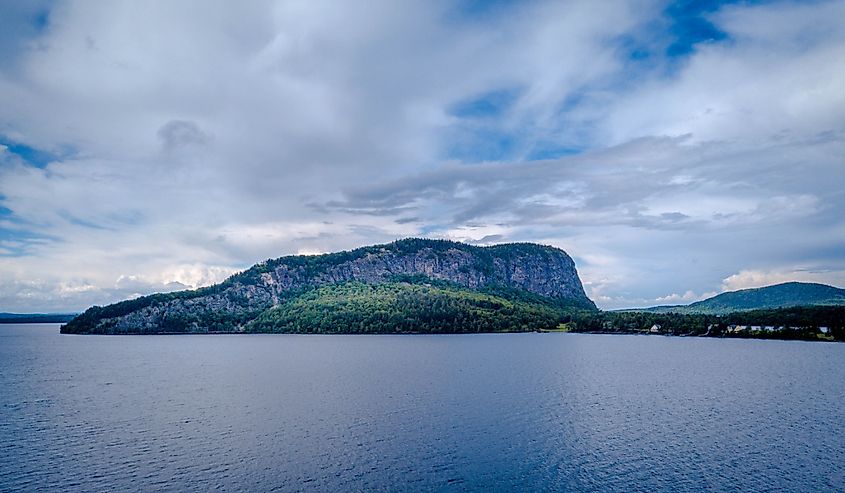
{"type": "Point", "coordinates": [491, 412]}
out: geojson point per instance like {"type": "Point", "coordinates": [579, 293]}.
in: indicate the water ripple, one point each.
{"type": "Point", "coordinates": [541, 412]}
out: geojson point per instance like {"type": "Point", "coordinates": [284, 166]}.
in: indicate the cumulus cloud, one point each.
{"type": "Point", "coordinates": [687, 297]}
{"type": "Point", "coordinates": [181, 142]}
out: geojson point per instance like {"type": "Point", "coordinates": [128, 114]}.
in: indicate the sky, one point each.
{"type": "Point", "coordinates": [674, 149]}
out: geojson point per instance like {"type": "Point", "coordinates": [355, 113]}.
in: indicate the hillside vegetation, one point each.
{"type": "Point", "coordinates": [403, 307]}
{"type": "Point", "coordinates": [802, 322]}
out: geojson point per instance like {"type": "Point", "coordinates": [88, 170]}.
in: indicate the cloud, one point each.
{"type": "Point", "coordinates": [635, 184]}
{"type": "Point", "coordinates": [754, 278]}
{"type": "Point", "coordinates": [688, 297]}
{"type": "Point", "coordinates": [187, 141]}
{"type": "Point", "coordinates": [72, 295]}
{"type": "Point", "coordinates": [176, 134]}
{"type": "Point", "coordinates": [626, 206]}
{"type": "Point", "coordinates": [777, 75]}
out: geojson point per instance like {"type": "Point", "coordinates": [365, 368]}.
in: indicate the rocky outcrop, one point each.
{"type": "Point", "coordinates": [541, 270]}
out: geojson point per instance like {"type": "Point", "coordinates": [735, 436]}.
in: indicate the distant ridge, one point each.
{"type": "Point", "coordinates": [788, 294]}
{"type": "Point", "coordinates": [35, 318]}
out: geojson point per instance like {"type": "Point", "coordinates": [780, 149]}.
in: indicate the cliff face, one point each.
{"type": "Point", "coordinates": [541, 270]}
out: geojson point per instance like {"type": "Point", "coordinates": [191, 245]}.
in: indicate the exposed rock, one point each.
{"type": "Point", "coordinates": [541, 270]}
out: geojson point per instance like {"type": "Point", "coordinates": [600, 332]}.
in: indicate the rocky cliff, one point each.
{"type": "Point", "coordinates": [539, 270]}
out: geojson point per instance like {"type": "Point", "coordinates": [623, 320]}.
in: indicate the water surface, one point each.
{"type": "Point", "coordinates": [560, 412]}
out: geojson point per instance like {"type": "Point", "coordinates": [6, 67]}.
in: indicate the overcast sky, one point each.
{"type": "Point", "coordinates": [675, 150]}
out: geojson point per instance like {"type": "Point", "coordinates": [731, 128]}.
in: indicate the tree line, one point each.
{"type": "Point", "coordinates": [803, 322]}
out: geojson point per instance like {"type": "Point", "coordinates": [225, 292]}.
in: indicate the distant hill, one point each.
{"type": "Point", "coordinates": [777, 296]}
{"type": "Point", "coordinates": [411, 285]}
{"type": "Point", "coordinates": [35, 318]}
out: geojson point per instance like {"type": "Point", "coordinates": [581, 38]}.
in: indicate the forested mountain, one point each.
{"type": "Point", "coordinates": [777, 296]}
{"type": "Point", "coordinates": [412, 285]}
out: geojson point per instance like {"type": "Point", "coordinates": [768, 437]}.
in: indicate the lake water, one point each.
{"type": "Point", "coordinates": [493, 412]}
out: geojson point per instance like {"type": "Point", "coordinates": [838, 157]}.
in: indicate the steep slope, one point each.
{"type": "Point", "coordinates": [230, 306]}
{"type": "Point", "coordinates": [776, 296]}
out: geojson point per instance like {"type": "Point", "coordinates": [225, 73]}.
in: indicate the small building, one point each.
{"type": "Point", "coordinates": [756, 328]}
{"type": "Point", "coordinates": [655, 329]}
{"type": "Point", "coordinates": [824, 330]}
{"type": "Point", "coordinates": [769, 328]}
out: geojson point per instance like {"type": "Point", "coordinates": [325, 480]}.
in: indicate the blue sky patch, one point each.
{"type": "Point", "coordinates": [552, 152]}
{"type": "Point", "coordinates": [481, 144]}
{"type": "Point", "coordinates": [488, 105]}
{"type": "Point", "coordinates": [33, 156]}
{"type": "Point", "coordinates": [41, 19]}
{"type": "Point", "coordinates": [476, 10]}
{"type": "Point", "coordinates": [689, 26]}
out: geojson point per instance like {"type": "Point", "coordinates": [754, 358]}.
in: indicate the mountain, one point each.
{"type": "Point", "coordinates": [777, 296]}
{"type": "Point", "coordinates": [35, 318]}
{"type": "Point", "coordinates": [411, 285]}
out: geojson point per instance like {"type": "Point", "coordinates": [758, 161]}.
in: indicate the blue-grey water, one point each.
{"type": "Point", "coordinates": [539, 412]}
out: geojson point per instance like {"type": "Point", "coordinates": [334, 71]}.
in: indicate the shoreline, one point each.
{"type": "Point", "coordinates": [551, 331]}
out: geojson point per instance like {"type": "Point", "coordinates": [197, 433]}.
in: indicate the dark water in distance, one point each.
{"type": "Point", "coordinates": [494, 412]}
